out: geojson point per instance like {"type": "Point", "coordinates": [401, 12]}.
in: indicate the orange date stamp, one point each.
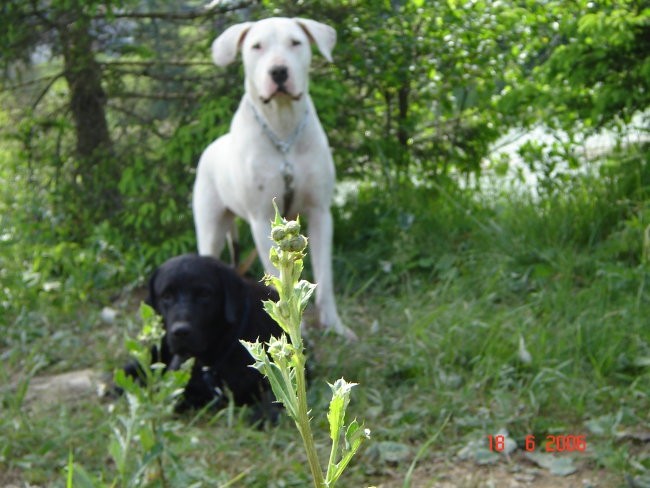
{"type": "Point", "coordinates": [551, 443]}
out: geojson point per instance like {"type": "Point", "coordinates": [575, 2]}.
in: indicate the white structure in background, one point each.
{"type": "Point", "coordinates": [591, 148]}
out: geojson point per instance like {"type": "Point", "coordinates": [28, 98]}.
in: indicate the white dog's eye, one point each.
{"type": "Point", "coordinates": [257, 46]}
{"type": "Point", "coordinates": [296, 42]}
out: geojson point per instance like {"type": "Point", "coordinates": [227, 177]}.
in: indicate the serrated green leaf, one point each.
{"type": "Point", "coordinates": [339, 403]}
{"type": "Point", "coordinates": [277, 219]}
{"type": "Point", "coordinates": [132, 345]}
{"type": "Point", "coordinates": [147, 313]}
{"type": "Point", "coordinates": [304, 290]}
{"type": "Point", "coordinates": [271, 308]}
{"type": "Point", "coordinates": [282, 391]}
{"type": "Point", "coordinates": [147, 438]}
{"type": "Point", "coordinates": [276, 376]}
{"type": "Point", "coordinates": [336, 416]}
{"type": "Point", "coordinates": [116, 451]}
{"type": "Point", "coordinates": [273, 282]}
{"type": "Point", "coordinates": [352, 437]}
{"type": "Point", "coordinates": [124, 381]}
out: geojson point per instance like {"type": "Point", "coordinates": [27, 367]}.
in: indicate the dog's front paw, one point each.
{"type": "Point", "coordinates": [337, 327]}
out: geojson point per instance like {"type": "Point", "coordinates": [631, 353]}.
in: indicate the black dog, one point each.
{"type": "Point", "coordinates": [206, 309]}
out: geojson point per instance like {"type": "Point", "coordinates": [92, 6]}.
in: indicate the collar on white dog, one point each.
{"type": "Point", "coordinates": [283, 147]}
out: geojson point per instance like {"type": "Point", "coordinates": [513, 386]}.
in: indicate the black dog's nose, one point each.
{"type": "Point", "coordinates": [180, 329]}
{"type": "Point", "coordinates": [279, 74]}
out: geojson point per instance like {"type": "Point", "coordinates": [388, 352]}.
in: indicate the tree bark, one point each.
{"type": "Point", "coordinates": [97, 173]}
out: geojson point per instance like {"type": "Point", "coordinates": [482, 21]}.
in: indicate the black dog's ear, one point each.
{"type": "Point", "coordinates": [234, 296]}
{"type": "Point", "coordinates": [151, 297]}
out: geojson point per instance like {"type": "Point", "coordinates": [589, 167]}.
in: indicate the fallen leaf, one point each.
{"type": "Point", "coordinates": [642, 436]}
{"type": "Point", "coordinates": [602, 425]}
{"type": "Point", "coordinates": [476, 450]}
{"type": "Point", "coordinates": [560, 466]}
{"type": "Point", "coordinates": [390, 452]}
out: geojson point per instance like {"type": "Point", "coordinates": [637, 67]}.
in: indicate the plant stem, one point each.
{"type": "Point", "coordinates": [333, 454]}
{"type": "Point", "coordinates": [159, 461]}
{"type": "Point", "coordinates": [302, 423]}
{"type": "Point", "coordinates": [287, 257]}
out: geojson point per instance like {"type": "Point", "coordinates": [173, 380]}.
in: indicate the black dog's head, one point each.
{"type": "Point", "coordinates": [201, 302]}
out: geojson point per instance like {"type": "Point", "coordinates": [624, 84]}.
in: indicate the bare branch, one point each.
{"type": "Point", "coordinates": [156, 63]}
{"type": "Point", "coordinates": [46, 89]}
{"type": "Point", "coordinates": [188, 15]}
{"type": "Point", "coordinates": [156, 96]}
{"type": "Point", "coordinates": [164, 77]}
{"type": "Point", "coordinates": [36, 81]}
{"type": "Point", "coordinates": [149, 122]}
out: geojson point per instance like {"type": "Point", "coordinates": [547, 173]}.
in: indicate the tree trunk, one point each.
{"type": "Point", "coordinates": [403, 131]}
{"type": "Point", "coordinates": [97, 173]}
{"type": "Point", "coordinates": [403, 107]}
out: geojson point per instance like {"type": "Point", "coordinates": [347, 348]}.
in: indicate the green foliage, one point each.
{"type": "Point", "coordinates": [419, 91]}
{"type": "Point", "coordinates": [415, 83]}
{"type": "Point", "coordinates": [606, 63]}
{"type": "Point", "coordinates": [594, 68]}
{"type": "Point", "coordinates": [150, 79]}
{"type": "Point", "coordinates": [389, 237]}
{"type": "Point", "coordinates": [143, 439]}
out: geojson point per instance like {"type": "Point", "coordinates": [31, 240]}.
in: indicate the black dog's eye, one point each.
{"type": "Point", "coordinates": [204, 294]}
{"type": "Point", "coordinates": [167, 297]}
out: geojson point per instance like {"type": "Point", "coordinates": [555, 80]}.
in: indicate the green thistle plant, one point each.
{"type": "Point", "coordinates": [143, 437]}
{"type": "Point", "coordinates": [283, 361]}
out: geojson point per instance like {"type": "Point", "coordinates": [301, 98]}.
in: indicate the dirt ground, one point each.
{"type": "Point", "coordinates": [518, 473]}
{"type": "Point", "coordinates": [514, 472]}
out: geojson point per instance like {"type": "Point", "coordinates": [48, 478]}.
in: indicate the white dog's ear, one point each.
{"type": "Point", "coordinates": [225, 47]}
{"type": "Point", "coordinates": [322, 34]}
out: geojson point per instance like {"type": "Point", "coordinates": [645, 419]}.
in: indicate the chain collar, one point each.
{"type": "Point", "coordinates": [283, 147]}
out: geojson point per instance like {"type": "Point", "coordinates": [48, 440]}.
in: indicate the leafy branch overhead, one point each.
{"type": "Point", "coordinates": [416, 88]}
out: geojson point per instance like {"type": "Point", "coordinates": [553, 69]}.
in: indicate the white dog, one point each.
{"type": "Point", "coordinates": [276, 148]}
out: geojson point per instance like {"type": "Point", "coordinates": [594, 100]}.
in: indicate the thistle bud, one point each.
{"type": "Point", "coordinates": [297, 243]}
{"type": "Point", "coordinates": [294, 244]}
{"type": "Point", "coordinates": [278, 233]}
{"type": "Point", "coordinates": [280, 349]}
{"type": "Point", "coordinates": [292, 227]}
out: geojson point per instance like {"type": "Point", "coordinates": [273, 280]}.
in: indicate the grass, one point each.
{"type": "Point", "coordinates": [441, 287]}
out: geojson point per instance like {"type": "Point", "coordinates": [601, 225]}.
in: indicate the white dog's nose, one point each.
{"type": "Point", "coordinates": [279, 74]}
